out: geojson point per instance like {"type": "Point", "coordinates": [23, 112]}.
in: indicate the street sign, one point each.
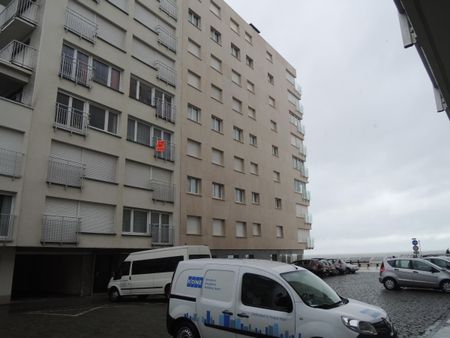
{"type": "Point", "coordinates": [415, 242]}
{"type": "Point", "coordinates": [415, 248]}
{"type": "Point", "coordinates": [160, 146]}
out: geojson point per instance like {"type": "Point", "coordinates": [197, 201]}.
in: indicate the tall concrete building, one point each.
{"type": "Point", "coordinates": [129, 125]}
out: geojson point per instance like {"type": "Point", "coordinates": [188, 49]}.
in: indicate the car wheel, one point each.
{"type": "Point", "coordinates": [114, 295]}
{"type": "Point", "coordinates": [348, 271]}
{"type": "Point", "coordinates": [167, 291]}
{"type": "Point", "coordinates": [390, 284]}
{"type": "Point", "coordinates": [445, 286]}
{"type": "Point", "coordinates": [186, 330]}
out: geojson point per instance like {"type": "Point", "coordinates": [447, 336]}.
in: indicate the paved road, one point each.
{"type": "Point", "coordinates": [412, 312]}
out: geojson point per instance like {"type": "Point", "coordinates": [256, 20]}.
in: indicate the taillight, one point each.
{"type": "Point", "coordinates": [382, 267]}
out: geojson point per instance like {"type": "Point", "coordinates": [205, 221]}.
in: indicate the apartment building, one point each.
{"type": "Point", "coordinates": [136, 124]}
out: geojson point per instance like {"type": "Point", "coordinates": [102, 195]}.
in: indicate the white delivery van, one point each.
{"type": "Point", "coordinates": [224, 298]}
{"type": "Point", "coordinates": [149, 272]}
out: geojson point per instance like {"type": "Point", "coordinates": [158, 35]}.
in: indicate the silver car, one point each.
{"type": "Point", "coordinates": [443, 262]}
{"type": "Point", "coordinates": [413, 272]}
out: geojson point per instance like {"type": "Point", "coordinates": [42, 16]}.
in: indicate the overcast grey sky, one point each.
{"type": "Point", "coordinates": [378, 152]}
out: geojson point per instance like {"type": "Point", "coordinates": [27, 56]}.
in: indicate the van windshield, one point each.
{"type": "Point", "coordinates": [313, 290]}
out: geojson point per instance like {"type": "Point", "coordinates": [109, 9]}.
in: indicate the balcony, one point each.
{"type": "Point", "coordinates": [60, 229]}
{"type": "Point", "coordinates": [306, 196]}
{"type": "Point", "coordinates": [165, 110]}
{"type": "Point", "coordinates": [301, 128]}
{"type": "Point", "coordinates": [10, 163]}
{"type": "Point", "coordinates": [17, 20]}
{"type": "Point", "coordinates": [6, 227]}
{"type": "Point", "coordinates": [162, 191]}
{"type": "Point", "coordinates": [71, 119]}
{"type": "Point", "coordinates": [81, 26]}
{"type": "Point", "coordinates": [18, 54]}
{"type": "Point", "coordinates": [168, 153]}
{"type": "Point", "coordinates": [169, 7]}
{"type": "Point", "coordinates": [166, 38]}
{"type": "Point", "coordinates": [309, 243]}
{"type": "Point", "coordinates": [165, 73]}
{"type": "Point", "coordinates": [299, 108]}
{"type": "Point", "coordinates": [65, 172]}
{"type": "Point", "coordinates": [304, 171]}
{"type": "Point", "coordinates": [162, 234]}
{"type": "Point", "coordinates": [75, 70]}
{"type": "Point", "coordinates": [308, 218]}
{"type": "Point", "coordinates": [302, 150]}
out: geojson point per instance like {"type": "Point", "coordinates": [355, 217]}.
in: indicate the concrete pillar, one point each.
{"type": "Point", "coordinates": [87, 275]}
{"type": "Point", "coordinates": [7, 258]}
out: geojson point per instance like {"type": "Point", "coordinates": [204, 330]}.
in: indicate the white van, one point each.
{"type": "Point", "coordinates": [224, 298]}
{"type": "Point", "coordinates": [149, 272]}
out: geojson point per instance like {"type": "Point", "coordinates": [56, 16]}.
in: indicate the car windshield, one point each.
{"type": "Point", "coordinates": [313, 290]}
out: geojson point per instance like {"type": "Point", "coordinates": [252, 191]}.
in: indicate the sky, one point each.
{"type": "Point", "coordinates": [378, 152]}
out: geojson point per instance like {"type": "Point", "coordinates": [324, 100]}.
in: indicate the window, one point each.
{"type": "Point", "coordinates": [194, 48]}
{"type": "Point", "coordinates": [298, 164]}
{"type": "Point", "coordinates": [276, 176]}
{"type": "Point", "coordinates": [239, 195]}
{"type": "Point", "coordinates": [216, 36]}
{"type": "Point", "coordinates": [269, 56]}
{"type": "Point", "coordinates": [216, 93]}
{"type": "Point", "coordinates": [254, 168]}
{"type": "Point", "coordinates": [278, 203]}
{"type": "Point", "coordinates": [216, 63]}
{"type": "Point", "coordinates": [272, 101]}
{"type": "Point", "coordinates": [279, 231]}
{"type": "Point", "coordinates": [217, 156]}
{"type": "Point", "coordinates": [193, 80]}
{"type": "Point", "coordinates": [106, 74]}
{"type": "Point", "coordinates": [194, 148]}
{"type": "Point", "coordinates": [252, 113]}
{"type": "Point", "coordinates": [239, 164]}
{"type": "Point", "coordinates": [218, 227]}
{"type": "Point", "coordinates": [194, 185]}
{"type": "Point", "coordinates": [241, 229]}
{"type": "Point", "coordinates": [275, 151]}
{"type": "Point", "coordinates": [236, 105]}
{"type": "Point", "coordinates": [299, 186]}
{"type": "Point", "coordinates": [238, 134]}
{"type": "Point", "coordinates": [292, 98]}
{"type": "Point", "coordinates": [250, 87]}
{"type": "Point", "coordinates": [234, 26]}
{"type": "Point", "coordinates": [236, 77]}
{"type": "Point", "coordinates": [6, 216]}
{"type": "Point", "coordinates": [144, 133]}
{"type": "Point", "coordinates": [256, 229]}
{"type": "Point", "coordinates": [270, 78]}
{"type": "Point", "coordinates": [194, 18]}
{"type": "Point", "coordinates": [296, 141]}
{"type": "Point", "coordinates": [235, 51]}
{"type": "Point", "coordinates": [249, 61]}
{"type": "Point", "coordinates": [194, 225]}
{"type": "Point", "coordinates": [135, 221]}
{"type": "Point", "coordinates": [193, 113]}
{"type": "Point", "coordinates": [103, 119]}
{"type": "Point", "coordinates": [215, 9]}
{"type": "Point", "coordinates": [216, 124]}
{"type": "Point", "coordinates": [273, 125]}
{"type": "Point", "coordinates": [248, 38]}
{"type": "Point", "coordinates": [290, 77]}
{"type": "Point", "coordinates": [218, 191]}
{"type": "Point", "coordinates": [294, 119]}
{"type": "Point", "coordinates": [253, 140]}
{"type": "Point", "coordinates": [255, 198]}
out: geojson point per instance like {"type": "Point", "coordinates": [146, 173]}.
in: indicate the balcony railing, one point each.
{"type": "Point", "coordinates": [308, 218]}
{"type": "Point", "coordinates": [6, 227]}
{"type": "Point", "coordinates": [299, 107]}
{"type": "Point", "coordinates": [306, 196]}
{"type": "Point", "coordinates": [60, 229]}
{"type": "Point", "coordinates": [168, 153]}
{"type": "Point", "coordinates": [25, 9]}
{"type": "Point", "coordinates": [76, 70]}
{"type": "Point", "coordinates": [169, 7]}
{"type": "Point", "coordinates": [165, 110]}
{"type": "Point", "coordinates": [162, 234]}
{"type": "Point", "coordinates": [303, 171]}
{"type": "Point", "coordinates": [301, 128]}
{"type": "Point", "coordinates": [65, 172]}
{"type": "Point", "coordinates": [19, 54]}
{"type": "Point", "coordinates": [162, 191]}
{"type": "Point", "coordinates": [310, 243]}
{"type": "Point", "coordinates": [81, 26]}
{"type": "Point", "coordinates": [10, 163]}
{"type": "Point", "coordinates": [71, 119]}
{"type": "Point", "coordinates": [302, 150]}
{"type": "Point", "coordinates": [165, 73]}
{"type": "Point", "coordinates": [166, 38]}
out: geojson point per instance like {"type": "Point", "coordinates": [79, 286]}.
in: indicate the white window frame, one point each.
{"type": "Point", "coordinates": [215, 35]}
{"type": "Point", "coordinates": [132, 232]}
{"type": "Point", "coordinates": [218, 191]}
{"type": "Point", "coordinates": [238, 134]}
{"type": "Point", "coordinates": [256, 198]}
{"type": "Point", "coordinates": [194, 18]}
{"type": "Point", "coordinates": [253, 140]}
{"type": "Point", "coordinates": [216, 124]}
{"type": "Point", "coordinates": [194, 185]}
{"type": "Point", "coordinates": [194, 113]}
{"type": "Point", "coordinates": [239, 195]}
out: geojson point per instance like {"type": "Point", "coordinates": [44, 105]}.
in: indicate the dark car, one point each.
{"type": "Point", "coordinates": [314, 265]}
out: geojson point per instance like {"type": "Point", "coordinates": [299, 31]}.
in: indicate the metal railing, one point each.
{"type": "Point", "coordinates": [301, 128]}
{"type": "Point", "coordinates": [168, 154]}
{"type": "Point", "coordinates": [306, 196]}
{"type": "Point", "coordinates": [303, 171]}
{"type": "Point", "coordinates": [162, 234]}
{"type": "Point", "coordinates": [18, 54]}
{"type": "Point", "coordinates": [165, 73]}
{"type": "Point", "coordinates": [75, 70]}
{"type": "Point", "coordinates": [302, 150]}
{"type": "Point", "coordinates": [166, 38]}
{"type": "Point", "coordinates": [308, 218]}
{"type": "Point", "coordinates": [65, 172]}
{"type": "Point", "coordinates": [10, 162]}
{"type": "Point", "coordinates": [78, 24]}
{"type": "Point", "coordinates": [25, 9]}
{"type": "Point", "coordinates": [6, 227]}
{"type": "Point", "coordinates": [299, 107]}
{"type": "Point", "coordinates": [310, 243]}
{"type": "Point", "coordinates": [165, 110]}
{"type": "Point", "coordinates": [162, 191]}
{"type": "Point", "coordinates": [60, 229]}
{"type": "Point", "coordinates": [169, 7]}
{"type": "Point", "coordinates": [71, 119]}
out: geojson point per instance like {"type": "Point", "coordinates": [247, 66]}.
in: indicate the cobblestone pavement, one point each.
{"type": "Point", "coordinates": [411, 310]}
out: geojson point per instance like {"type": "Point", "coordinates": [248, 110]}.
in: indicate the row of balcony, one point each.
{"type": "Point", "coordinates": [17, 20]}
{"type": "Point", "coordinates": [11, 163]}
{"type": "Point", "coordinates": [19, 54]}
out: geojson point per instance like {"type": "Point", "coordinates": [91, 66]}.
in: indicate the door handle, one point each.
{"type": "Point", "coordinates": [226, 312]}
{"type": "Point", "coordinates": [243, 315]}
{"type": "Point", "coordinates": [395, 269]}
{"type": "Point", "coordinates": [415, 272]}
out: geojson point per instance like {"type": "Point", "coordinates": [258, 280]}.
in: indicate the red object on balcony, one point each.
{"type": "Point", "coordinates": [160, 146]}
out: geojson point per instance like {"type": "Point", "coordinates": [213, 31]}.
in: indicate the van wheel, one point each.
{"type": "Point", "coordinates": [114, 295]}
{"type": "Point", "coordinates": [167, 291]}
{"type": "Point", "coordinates": [390, 284]}
{"type": "Point", "coordinates": [186, 330]}
{"type": "Point", "coordinates": [445, 286]}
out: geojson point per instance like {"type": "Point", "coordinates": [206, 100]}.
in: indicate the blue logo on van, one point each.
{"type": "Point", "coordinates": [195, 282]}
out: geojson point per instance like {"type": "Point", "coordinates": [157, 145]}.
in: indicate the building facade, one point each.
{"type": "Point", "coordinates": [129, 125]}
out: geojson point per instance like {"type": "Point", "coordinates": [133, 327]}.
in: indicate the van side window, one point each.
{"type": "Point", "coordinates": [157, 265]}
{"type": "Point", "coordinates": [263, 292]}
{"type": "Point", "coordinates": [125, 269]}
{"type": "Point", "coordinates": [198, 256]}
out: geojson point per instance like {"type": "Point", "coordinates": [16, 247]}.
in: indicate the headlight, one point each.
{"type": "Point", "coordinates": [359, 326]}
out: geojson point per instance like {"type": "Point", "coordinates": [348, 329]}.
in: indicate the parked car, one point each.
{"type": "Point", "coordinates": [314, 265]}
{"type": "Point", "coordinates": [329, 267]}
{"type": "Point", "coordinates": [442, 261]}
{"type": "Point", "coordinates": [413, 272]}
{"type": "Point", "coordinates": [344, 267]}
{"type": "Point", "coordinates": [351, 268]}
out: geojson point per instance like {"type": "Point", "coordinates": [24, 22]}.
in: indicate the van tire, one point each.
{"type": "Point", "coordinates": [113, 295]}
{"type": "Point", "coordinates": [390, 284]}
{"type": "Point", "coordinates": [445, 286]}
{"type": "Point", "coordinates": [186, 330]}
{"type": "Point", "coordinates": [167, 291]}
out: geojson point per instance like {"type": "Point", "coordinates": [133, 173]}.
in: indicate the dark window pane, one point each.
{"type": "Point", "coordinates": [112, 122]}
{"type": "Point", "coordinates": [100, 72]}
{"type": "Point", "coordinates": [125, 268]}
{"type": "Point", "coordinates": [115, 79]}
{"type": "Point", "coordinates": [143, 134]}
{"type": "Point", "coordinates": [130, 129]}
{"type": "Point", "coordinates": [140, 222]}
{"type": "Point", "coordinates": [145, 94]}
{"type": "Point", "coordinates": [126, 220]}
{"type": "Point", "coordinates": [133, 88]}
{"type": "Point", "coordinates": [97, 117]}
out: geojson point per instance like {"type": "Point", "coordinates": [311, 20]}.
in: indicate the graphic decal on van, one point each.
{"type": "Point", "coordinates": [195, 282]}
